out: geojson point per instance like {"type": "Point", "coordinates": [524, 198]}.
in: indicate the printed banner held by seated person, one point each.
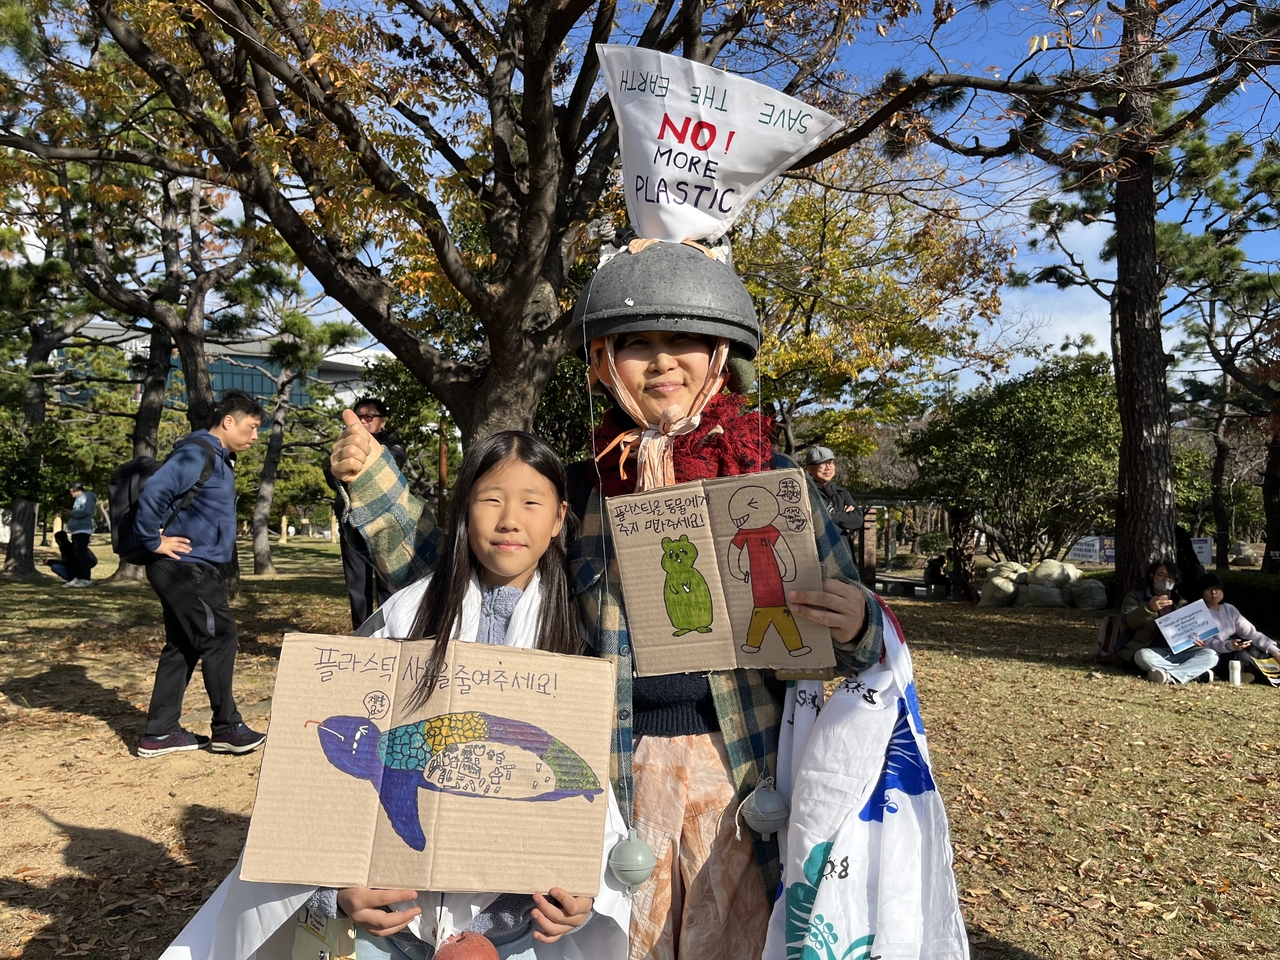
{"type": "Point", "coordinates": [497, 783]}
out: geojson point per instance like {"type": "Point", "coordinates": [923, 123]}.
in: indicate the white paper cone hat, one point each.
{"type": "Point", "coordinates": [698, 143]}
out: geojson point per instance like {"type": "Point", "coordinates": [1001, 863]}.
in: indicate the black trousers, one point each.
{"type": "Point", "coordinates": [198, 627]}
{"type": "Point", "coordinates": [363, 583]}
{"type": "Point", "coordinates": [83, 559]}
{"type": "Point", "coordinates": [1223, 671]}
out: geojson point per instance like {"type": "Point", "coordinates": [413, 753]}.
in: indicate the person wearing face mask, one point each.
{"type": "Point", "coordinates": [1144, 645]}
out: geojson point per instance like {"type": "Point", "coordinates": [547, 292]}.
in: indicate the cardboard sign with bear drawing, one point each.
{"type": "Point", "coordinates": [496, 785]}
{"type": "Point", "coordinates": [706, 567]}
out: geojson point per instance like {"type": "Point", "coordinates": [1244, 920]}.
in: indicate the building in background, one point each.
{"type": "Point", "coordinates": [244, 365]}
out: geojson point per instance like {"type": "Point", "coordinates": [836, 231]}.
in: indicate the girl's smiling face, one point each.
{"type": "Point", "coordinates": [661, 368]}
{"type": "Point", "coordinates": [512, 516]}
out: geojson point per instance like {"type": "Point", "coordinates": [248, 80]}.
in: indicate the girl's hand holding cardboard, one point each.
{"type": "Point", "coordinates": [554, 922]}
{"type": "Point", "coordinates": [367, 909]}
{"type": "Point", "coordinates": [840, 607]}
{"type": "Point", "coordinates": [355, 449]}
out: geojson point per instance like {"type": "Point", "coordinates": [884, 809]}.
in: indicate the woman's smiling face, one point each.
{"type": "Point", "coordinates": [661, 369]}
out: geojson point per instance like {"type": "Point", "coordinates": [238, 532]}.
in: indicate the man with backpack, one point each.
{"type": "Point", "coordinates": [187, 545]}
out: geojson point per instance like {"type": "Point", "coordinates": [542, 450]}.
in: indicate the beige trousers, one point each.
{"type": "Point", "coordinates": [705, 900]}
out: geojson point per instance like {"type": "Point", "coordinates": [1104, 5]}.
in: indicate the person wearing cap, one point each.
{"type": "Point", "coordinates": [669, 332]}
{"type": "Point", "coordinates": [80, 527]}
{"type": "Point", "coordinates": [820, 463]}
{"type": "Point", "coordinates": [1237, 638]}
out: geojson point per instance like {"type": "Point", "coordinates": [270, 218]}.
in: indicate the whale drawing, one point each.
{"type": "Point", "coordinates": [467, 754]}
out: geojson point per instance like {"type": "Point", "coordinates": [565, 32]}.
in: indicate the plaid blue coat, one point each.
{"type": "Point", "coordinates": [403, 540]}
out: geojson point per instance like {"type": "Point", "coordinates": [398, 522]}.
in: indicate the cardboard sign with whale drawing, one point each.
{"type": "Point", "coordinates": [706, 567]}
{"type": "Point", "coordinates": [496, 784]}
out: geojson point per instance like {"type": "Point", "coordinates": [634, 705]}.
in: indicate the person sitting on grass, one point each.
{"type": "Point", "coordinates": [1237, 639]}
{"type": "Point", "coordinates": [1144, 645]}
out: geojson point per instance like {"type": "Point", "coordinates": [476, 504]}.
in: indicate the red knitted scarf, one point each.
{"type": "Point", "coordinates": [726, 443]}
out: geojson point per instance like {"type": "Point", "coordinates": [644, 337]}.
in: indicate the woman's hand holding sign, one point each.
{"type": "Point", "coordinates": [841, 607]}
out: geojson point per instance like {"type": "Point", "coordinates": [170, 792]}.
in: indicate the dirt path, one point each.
{"type": "Point", "coordinates": [1093, 815]}
{"type": "Point", "coordinates": [103, 854]}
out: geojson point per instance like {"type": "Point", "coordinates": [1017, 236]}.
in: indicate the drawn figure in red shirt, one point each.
{"type": "Point", "coordinates": [769, 564]}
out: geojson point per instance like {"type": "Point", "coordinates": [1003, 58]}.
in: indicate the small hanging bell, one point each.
{"type": "Point", "coordinates": [764, 809]}
{"type": "Point", "coordinates": [631, 861]}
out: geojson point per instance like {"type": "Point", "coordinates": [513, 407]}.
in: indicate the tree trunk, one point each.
{"type": "Point", "coordinates": [994, 537]}
{"type": "Point", "coordinates": [146, 423]}
{"type": "Point", "coordinates": [267, 486]}
{"type": "Point", "coordinates": [1271, 501]}
{"type": "Point", "coordinates": [1145, 482]}
{"type": "Point", "coordinates": [155, 385]}
{"type": "Point", "coordinates": [195, 375]}
{"type": "Point", "coordinates": [1221, 453]}
{"type": "Point", "coordinates": [20, 560]}
{"type": "Point", "coordinates": [960, 521]}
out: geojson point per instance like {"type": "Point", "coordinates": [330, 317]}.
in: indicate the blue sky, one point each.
{"type": "Point", "coordinates": [995, 42]}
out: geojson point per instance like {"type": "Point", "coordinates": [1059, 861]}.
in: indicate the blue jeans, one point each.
{"type": "Point", "coordinates": [1180, 667]}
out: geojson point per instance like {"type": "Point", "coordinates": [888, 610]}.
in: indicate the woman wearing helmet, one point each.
{"type": "Point", "coordinates": [668, 332]}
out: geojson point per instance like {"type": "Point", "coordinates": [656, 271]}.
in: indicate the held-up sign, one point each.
{"type": "Point", "coordinates": [1183, 627]}
{"type": "Point", "coordinates": [496, 785]}
{"type": "Point", "coordinates": [697, 143]}
{"type": "Point", "coordinates": [706, 567]}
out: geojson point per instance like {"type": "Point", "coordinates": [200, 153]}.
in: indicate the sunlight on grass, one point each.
{"type": "Point", "coordinates": [1093, 814]}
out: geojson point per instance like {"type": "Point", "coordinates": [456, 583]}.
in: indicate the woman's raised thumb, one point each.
{"type": "Point", "coordinates": [350, 420]}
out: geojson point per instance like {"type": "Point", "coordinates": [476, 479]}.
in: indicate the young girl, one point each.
{"type": "Point", "coordinates": [501, 579]}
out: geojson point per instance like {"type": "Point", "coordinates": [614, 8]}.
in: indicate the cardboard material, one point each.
{"type": "Point", "coordinates": [705, 568]}
{"type": "Point", "coordinates": [698, 143]}
{"type": "Point", "coordinates": [1186, 625]}
{"type": "Point", "coordinates": [496, 785]}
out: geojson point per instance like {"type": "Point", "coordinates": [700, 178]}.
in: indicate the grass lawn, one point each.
{"type": "Point", "coordinates": [1093, 814]}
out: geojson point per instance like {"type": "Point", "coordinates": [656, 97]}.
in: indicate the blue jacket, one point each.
{"type": "Point", "coordinates": [210, 522]}
{"type": "Point", "coordinates": [81, 519]}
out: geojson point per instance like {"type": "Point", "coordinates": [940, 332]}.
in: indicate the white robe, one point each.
{"type": "Point", "coordinates": [249, 921]}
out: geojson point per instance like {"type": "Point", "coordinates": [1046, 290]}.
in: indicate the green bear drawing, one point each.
{"type": "Point", "coordinates": [685, 592]}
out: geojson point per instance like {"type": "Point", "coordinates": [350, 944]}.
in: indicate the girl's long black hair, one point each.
{"type": "Point", "coordinates": [559, 629]}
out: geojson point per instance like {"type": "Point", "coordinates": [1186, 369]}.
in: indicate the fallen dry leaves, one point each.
{"type": "Point", "coordinates": [1093, 815]}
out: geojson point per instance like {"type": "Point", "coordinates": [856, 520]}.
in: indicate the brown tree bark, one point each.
{"type": "Point", "coordinates": [19, 560]}
{"type": "Point", "coordinates": [146, 423]}
{"type": "Point", "coordinates": [1221, 454]}
{"type": "Point", "coordinates": [262, 563]}
{"type": "Point", "coordinates": [1271, 501]}
{"type": "Point", "coordinates": [963, 537]}
{"type": "Point", "coordinates": [1145, 510]}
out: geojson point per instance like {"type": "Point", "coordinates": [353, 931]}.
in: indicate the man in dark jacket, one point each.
{"type": "Point", "coordinates": [363, 583]}
{"type": "Point", "coordinates": [820, 462]}
{"type": "Point", "coordinates": [198, 623]}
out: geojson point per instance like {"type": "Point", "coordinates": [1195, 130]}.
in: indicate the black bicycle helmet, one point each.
{"type": "Point", "coordinates": [666, 286]}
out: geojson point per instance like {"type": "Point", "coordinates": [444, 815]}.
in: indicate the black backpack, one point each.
{"type": "Point", "coordinates": [126, 489]}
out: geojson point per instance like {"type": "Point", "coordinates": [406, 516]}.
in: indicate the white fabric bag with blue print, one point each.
{"type": "Point", "coordinates": [866, 858]}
